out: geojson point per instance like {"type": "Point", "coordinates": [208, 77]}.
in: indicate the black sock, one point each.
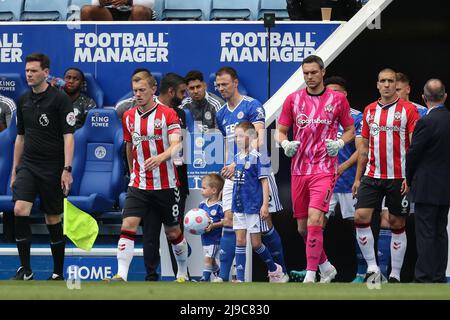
{"type": "Point", "coordinates": [23, 240]}
{"type": "Point", "coordinates": [57, 245]}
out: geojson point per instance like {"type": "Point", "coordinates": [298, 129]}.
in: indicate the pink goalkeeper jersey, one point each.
{"type": "Point", "coordinates": [315, 118]}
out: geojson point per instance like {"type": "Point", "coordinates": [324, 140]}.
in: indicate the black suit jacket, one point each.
{"type": "Point", "coordinates": [428, 159]}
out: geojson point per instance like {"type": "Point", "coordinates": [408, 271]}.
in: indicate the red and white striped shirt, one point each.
{"type": "Point", "coordinates": [149, 133]}
{"type": "Point", "coordinates": [387, 127]}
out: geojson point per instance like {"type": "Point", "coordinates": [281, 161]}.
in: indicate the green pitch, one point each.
{"type": "Point", "coordinates": [220, 291]}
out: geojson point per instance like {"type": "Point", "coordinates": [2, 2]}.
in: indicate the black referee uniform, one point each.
{"type": "Point", "coordinates": [42, 119]}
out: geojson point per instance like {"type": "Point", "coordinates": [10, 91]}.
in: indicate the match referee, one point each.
{"type": "Point", "coordinates": [43, 155]}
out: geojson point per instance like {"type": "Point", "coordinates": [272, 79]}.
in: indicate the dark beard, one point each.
{"type": "Point", "coordinates": [72, 91]}
{"type": "Point", "coordinates": [175, 102]}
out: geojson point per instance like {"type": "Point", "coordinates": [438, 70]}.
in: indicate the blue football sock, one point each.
{"type": "Point", "coordinates": [240, 263]}
{"type": "Point", "coordinates": [207, 273]}
{"type": "Point", "coordinates": [264, 254]}
{"type": "Point", "coordinates": [272, 241]}
{"type": "Point", "coordinates": [227, 249]}
{"type": "Point", "coordinates": [384, 250]}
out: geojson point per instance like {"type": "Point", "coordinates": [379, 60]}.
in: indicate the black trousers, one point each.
{"type": "Point", "coordinates": [151, 233]}
{"type": "Point", "coordinates": [432, 242]}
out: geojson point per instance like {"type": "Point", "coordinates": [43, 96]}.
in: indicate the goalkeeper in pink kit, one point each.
{"type": "Point", "coordinates": [315, 114]}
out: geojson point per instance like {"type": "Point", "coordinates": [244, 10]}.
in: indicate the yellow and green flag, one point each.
{"type": "Point", "coordinates": [79, 226]}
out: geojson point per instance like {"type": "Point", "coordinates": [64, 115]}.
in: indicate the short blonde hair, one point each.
{"type": "Point", "coordinates": [214, 180]}
{"type": "Point", "coordinates": [248, 127]}
{"type": "Point", "coordinates": [144, 75]}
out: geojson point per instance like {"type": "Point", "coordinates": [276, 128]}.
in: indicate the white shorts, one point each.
{"type": "Point", "coordinates": [274, 200]}
{"type": "Point", "coordinates": [249, 222]}
{"type": "Point", "coordinates": [347, 205]}
{"type": "Point", "coordinates": [211, 251]}
{"type": "Point", "coordinates": [227, 195]}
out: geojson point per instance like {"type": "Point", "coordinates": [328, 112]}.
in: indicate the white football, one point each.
{"type": "Point", "coordinates": [196, 221]}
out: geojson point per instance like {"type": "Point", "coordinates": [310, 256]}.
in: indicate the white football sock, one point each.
{"type": "Point", "coordinates": [325, 267]}
{"type": "Point", "coordinates": [365, 240]}
{"type": "Point", "coordinates": [125, 252]}
{"type": "Point", "coordinates": [181, 254]}
{"type": "Point", "coordinates": [398, 249]}
{"type": "Point", "coordinates": [310, 276]}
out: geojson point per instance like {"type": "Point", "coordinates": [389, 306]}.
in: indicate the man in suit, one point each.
{"type": "Point", "coordinates": [428, 174]}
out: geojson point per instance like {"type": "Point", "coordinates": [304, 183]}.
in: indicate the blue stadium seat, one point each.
{"type": "Point", "coordinates": [10, 9]}
{"type": "Point", "coordinates": [234, 9]}
{"type": "Point", "coordinates": [98, 166]}
{"type": "Point", "coordinates": [186, 10]}
{"type": "Point", "coordinates": [93, 90]}
{"type": "Point", "coordinates": [73, 11]}
{"type": "Point", "coordinates": [13, 85]}
{"type": "Point", "coordinates": [212, 86]}
{"type": "Point", "coordinates": [273, 6]}
{"type": "Point", "coordinates": [127, 95]}
{"type": "Point", "coordinates": [38, 10]}
{"type": "Point", "coordinates": [7, 139]}
{"type": "Point", "coordinates": [122, 198]}
{"type": "Point", "coordinates": [80, 3]}
{"type": "Point", "coordinates": [158, 7]}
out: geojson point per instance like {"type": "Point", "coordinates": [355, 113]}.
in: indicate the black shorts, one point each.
{"type": "Point", "coordinates": [119, 15]}
{"type": "Point", "coordinates": [372, 191]}
{"type": "Point", "coordinates": [164, 203]}
{"type": "Point", "coordinates": [34, 180]}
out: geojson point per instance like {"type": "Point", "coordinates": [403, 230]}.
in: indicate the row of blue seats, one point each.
{"type": "Point", "coordinates": [14, 86]}
{"type": "Point", "coordinates": [221, 9]}
{"type": "Point", "coordinates": [44, 10]}
{"type": "Point", "coordinates": [18, 86]}
{"type": "Point", "coordinates": [98, 164]}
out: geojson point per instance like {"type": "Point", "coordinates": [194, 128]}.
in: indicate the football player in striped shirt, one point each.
{"type": "Point", "coordinates": [152, 134]}
{"type": "Point", "coordinates": [403, 89]}
{"type": "Point", "coordinates": [388, 124]}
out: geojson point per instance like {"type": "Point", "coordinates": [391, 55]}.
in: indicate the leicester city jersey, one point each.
{"type": "Point", "coordinates": [345, 182]}
{"type": "Point", "coordinates": [248, 109]}
{"type": "Point", "coordinates": [215, 212]}
{"type": "Point", "coordinates": [247, 188]}
{"type": "Point", "coordinates": [421, 109]}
